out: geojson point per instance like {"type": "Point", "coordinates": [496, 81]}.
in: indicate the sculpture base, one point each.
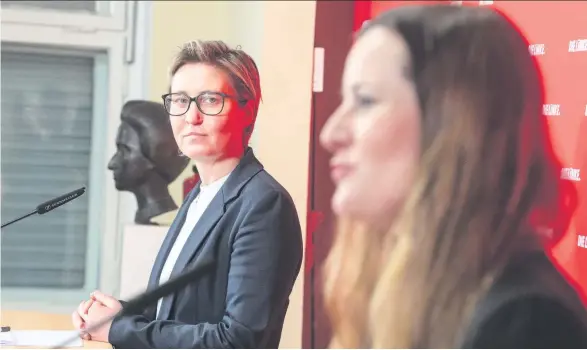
{"type": "Point", "coordinates": [140, 245]}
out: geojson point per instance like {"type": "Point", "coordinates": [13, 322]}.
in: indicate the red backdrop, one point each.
{"type": "Point", "coordinates": [557, 31]}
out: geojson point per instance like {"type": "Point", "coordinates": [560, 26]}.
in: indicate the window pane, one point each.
{"type": "Point", "coordinates": [46, 136]}
{"type": "Point", "coordinates": [73, 6]}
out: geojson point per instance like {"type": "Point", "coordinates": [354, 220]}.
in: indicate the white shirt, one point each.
{"type": "Point", "coordinates": [195, 211]}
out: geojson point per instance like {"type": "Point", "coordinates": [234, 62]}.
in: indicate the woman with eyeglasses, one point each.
{"type": "Point", "coordinates": [447, 189]}
{"type": "Point", "coordinates": [238, 215]}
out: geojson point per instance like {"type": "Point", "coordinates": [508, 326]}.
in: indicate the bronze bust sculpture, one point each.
{"type": "Point", "coordinates": [147, 159]}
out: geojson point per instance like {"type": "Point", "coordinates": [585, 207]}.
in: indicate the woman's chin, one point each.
{"type": "Point", "coordinates": [339, 203]}
{"type": "Point", "coordinates": [196, 152]}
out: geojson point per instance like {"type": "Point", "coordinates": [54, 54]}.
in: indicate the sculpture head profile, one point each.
{"type": "Point", "coordinates": [147, 159]}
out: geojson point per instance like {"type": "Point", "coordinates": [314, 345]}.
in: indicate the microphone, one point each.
{"type": "Point", "coordinates": [142, 301]}
{"type": "Point", "coordinates": [50, 205]}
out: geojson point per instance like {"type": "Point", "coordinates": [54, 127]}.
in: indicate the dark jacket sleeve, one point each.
{"type": "Point", "coordinates": [531, 322]}
{"type": "Point", "coordinates": [265, 261]}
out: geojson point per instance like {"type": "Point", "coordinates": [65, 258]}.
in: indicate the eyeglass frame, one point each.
{"type": "Point", "coordinates": [241, 101]}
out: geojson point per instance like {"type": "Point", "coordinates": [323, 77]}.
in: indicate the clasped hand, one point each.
{"type": "Point", "coordinates": [91, 312]}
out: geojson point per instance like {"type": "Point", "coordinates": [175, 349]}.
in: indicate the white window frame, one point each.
{"type": "Point", "coordinates": [110, 16]}
{"type": "Point", "coordinates": [102, 196]}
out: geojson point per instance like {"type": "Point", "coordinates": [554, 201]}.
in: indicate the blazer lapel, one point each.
{"type": "Point", "coordinates": [170, 239]}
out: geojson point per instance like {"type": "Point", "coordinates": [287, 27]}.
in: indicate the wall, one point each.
{"type": "Point", "coordinates": [557, 32]}
{"type": "Point", "coordinates": [283, 126]}
{"type": "Point", "coordinates": [333, 34]}
{"type": "Point", "coordinates": [563, 59]}
{"type": "Point", "coordinates": [279, 36]}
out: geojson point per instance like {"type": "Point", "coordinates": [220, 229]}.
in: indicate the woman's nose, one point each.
{"type": "Point", "coordinates": [335, 133]}
{"type": "Point", "coordinates": [193, 115]}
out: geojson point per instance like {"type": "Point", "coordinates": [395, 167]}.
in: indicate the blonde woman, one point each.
{"type": "Point", "coordinates": [447, 189]}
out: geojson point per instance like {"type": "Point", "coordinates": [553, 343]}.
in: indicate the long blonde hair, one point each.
{"type": "Point", "coordinates": [486, 169]}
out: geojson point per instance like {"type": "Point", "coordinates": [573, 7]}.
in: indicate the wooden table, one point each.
{"type": "Point", "coordinates": [31, 320]}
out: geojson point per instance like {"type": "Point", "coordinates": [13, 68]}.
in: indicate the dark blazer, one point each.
{"type": "Point", "coordinates": [251, 229]}
{"type": "Point", "coordinates": [530, 306]}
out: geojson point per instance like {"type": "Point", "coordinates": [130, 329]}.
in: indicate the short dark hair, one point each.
{"type": "Point", "coordinates": [240, 67]}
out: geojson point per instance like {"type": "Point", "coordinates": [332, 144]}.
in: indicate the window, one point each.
{"type": "Point", "coordinates": [61, 95]}
{"type": "Point", "coordinates": [86, 15]}
{"type": "Point", "coordinates": [75, 6]}
{"type": "Point", "coordinates": [47, 106]}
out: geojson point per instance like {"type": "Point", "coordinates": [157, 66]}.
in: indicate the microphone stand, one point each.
{"type": "Point", "coordinates": [20, 218]}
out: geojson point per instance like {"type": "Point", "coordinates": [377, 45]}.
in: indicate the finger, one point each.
{"type": "Point", "coordinates": [85, 336]}
{"type": "Point", "coordinates": [80, 307]}
{"type": "Point", "coordinates": [76, 316]}
{"type": "Point", "coordinates": [82, 310]}
{"type": "Point", "coordinates": [87, 306]}
{"type": "Point", "coordinates": [105, 299]}
{"type": "Point", "coordinates": [77, 321]}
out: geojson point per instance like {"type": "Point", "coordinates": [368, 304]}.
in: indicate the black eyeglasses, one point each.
{"type": "Point", "coordinates": [208, 102]}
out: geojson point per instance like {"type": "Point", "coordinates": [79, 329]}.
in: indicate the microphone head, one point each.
{"type": "Point", "coordinates": [59, 201]}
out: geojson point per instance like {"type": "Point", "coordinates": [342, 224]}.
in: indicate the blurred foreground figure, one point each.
{"type": "Point", "coordinates": [447, 190]}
